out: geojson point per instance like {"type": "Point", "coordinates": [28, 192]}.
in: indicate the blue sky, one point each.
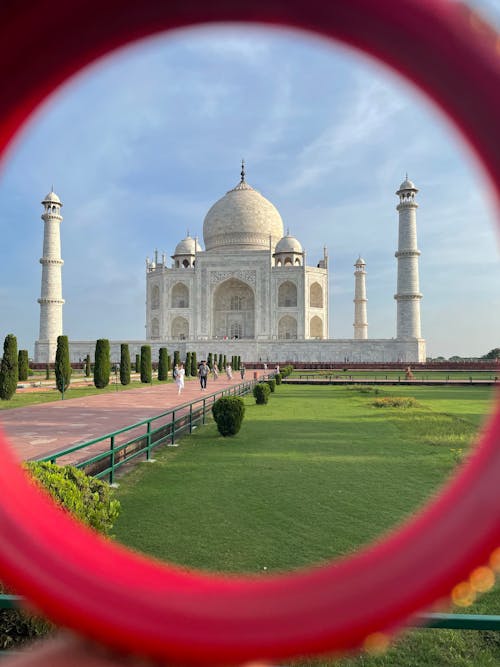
{"type": "Point", "coordinates": [140, 145]}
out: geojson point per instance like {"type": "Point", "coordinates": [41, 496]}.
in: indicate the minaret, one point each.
{"type": "Point", "coordinates": [51, 301]}
{"type": "Point", "coordinates": [360, 321]}
{"type": "Point", "coordinates": [408, 292]}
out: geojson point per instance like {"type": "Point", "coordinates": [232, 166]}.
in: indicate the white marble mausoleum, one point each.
{"type": "Point", "coordinates": [248, 291]}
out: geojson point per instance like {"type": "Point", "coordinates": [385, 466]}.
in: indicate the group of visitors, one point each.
{"type": "Point", "coordinates": [203, 373]}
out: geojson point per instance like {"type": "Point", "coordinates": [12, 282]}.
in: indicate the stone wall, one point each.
{"type": "Point", "coordinates": [342, 351]}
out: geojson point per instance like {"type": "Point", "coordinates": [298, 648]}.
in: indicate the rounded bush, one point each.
{"type": "Point", "coordinates": [278, 378]}
{"type": "Point", "coordinates": [228, 413]}
{"type": "Point", "coordinates": [261, 393]}
{"type": "Point", "coordinates": [272, 385]}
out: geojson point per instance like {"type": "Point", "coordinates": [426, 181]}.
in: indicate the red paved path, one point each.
{"type": "Point", "coordinates": [38, 430]}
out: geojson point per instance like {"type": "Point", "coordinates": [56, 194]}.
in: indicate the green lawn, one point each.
{"type": "Point", "coordinates": [393, 375]}
{"type": "Point", "coordinates": [316, 473]}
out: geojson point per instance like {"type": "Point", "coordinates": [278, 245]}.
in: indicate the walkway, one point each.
{"type": "Point", "coordinates": [39, 430]}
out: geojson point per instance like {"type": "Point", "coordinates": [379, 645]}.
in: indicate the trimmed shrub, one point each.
{"type": "Point", "coordinates": [124, 364]}
{"type": "Point", "coordinates": [187, 364]}
{"type": "Point", "coordinates": [396, 402]}
{"type": "Point", "coordinates": [62, 366]}
{"type": "Point", "coordinates": [272, 385]}
{"type": "Point", "coordinates": [176, 361]}
{"type": "Point", "coordinates": [22, 365]}
{"type": "Point", "coordinates": [102, 364]}
{"type": "Point", "coordinates": [224, 361]}
{"type": "Point", "coordinates": [88, 499]}
{"type": "Point", "coordinates": [194, 365]}
{"type": "Point", "coordinates": [88, 368]}
{"type": "Point", "coordinates": [228, 413]}
{"type": "Point", "coordinates": [146, 367]}
{"type": "Point", "coordinates": [8, 368]}
{"type": "Point", "coordinates": [261, 393]}
{"type": "Point", "coordinates": [210, 360]}
{"type": "Point", "coordinates": [278, 378]}
{"type": "Point", "coordinates": [163, 364]}
{"type": "Point", "coordinates": [137, 363]}
{"type": "Point", "coordinates": [219, 363]}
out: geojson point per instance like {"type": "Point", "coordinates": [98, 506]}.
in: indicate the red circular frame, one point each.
{"type": "Point", "coordinates": [140, 606]}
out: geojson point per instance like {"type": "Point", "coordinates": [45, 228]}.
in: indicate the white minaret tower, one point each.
{"type": "Point", "coordinates": [360, 320]}
{"type": "Point", "coordinates": [51, 301]}
{"type": "Point", "coordinates": [408, 292]}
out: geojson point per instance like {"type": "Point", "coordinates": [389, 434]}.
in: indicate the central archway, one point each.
{"type": "Point", "coordinates": [233, 313]}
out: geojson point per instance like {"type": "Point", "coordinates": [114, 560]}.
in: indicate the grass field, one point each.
{"type": "Point", "coordinates": [394, 375]}
{"type": "Point", "coordinates": [316, 473]}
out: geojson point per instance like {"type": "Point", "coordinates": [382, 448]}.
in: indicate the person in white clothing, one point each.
{"type": "Point", "coordinates": [179, 379]}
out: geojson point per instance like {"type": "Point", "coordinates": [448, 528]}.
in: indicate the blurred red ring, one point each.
{"type": "Point", "coordinates": [140, 606]}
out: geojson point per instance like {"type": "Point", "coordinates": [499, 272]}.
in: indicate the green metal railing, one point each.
{"type": "Point", "coordinates": [163, 429]}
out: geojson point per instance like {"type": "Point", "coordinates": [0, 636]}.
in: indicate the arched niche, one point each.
{"type": "Point", "coordinates": [233, 310]}
{"type": "Point", "coordinates": [316, 327]}
{"type": "Point", "coordinates": [287, 295]}
{"type": "Point", "coordinates": [155, 328]}
{"type": "Point", "coordinates": [316, 296]}
{"type": "Point", "coordinates": [155, 297]}
{"type": "Point", "coordinates": [287, 327]}
{"type": "Point", "coordinates": [180, 296]}
{"type": "Point", "coordinates": [180, 328]}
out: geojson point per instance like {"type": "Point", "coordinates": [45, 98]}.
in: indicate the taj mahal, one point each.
{"type": "Point", "coordinates": [249, 292]}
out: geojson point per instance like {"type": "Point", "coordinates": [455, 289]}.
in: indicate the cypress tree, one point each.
{"type": "Point", "coordinates": [163, 364]}
{"type": "Point", "coordinates": [209, 360]}
{"type": "Point", "coordinates": [238, 359]}
{"type": "Point", "coordinates": [22, 365]}
{"type": "Point", "coordinates": [146, 367]}
{"type": "Point", "coordinates": [47, 371]}
{"type": "Point", "coordinates": [187, 365]}
{"type": "Point", "coordinates": [224, 361]}
{"type": "Point", "coordinates": [194, 365]}
{"type": "Point", "coordinates": [169, 364]}
{"type": "Point", "coordinates": [62, 367]}
{"type": "Point", "coordinates": [220, 362]}
{"type": "Point", "coordinates": [102, 364]}
{"type": "Point", "coordinates": [124, 364]}
{"type": "Point", "coordinates": [8, 368]}
{"type": "Point", "coordinates": [137, 363]}
{"type": "Point", "coordinates": [87, 366]}
{"type": "Point", "coordinates": [177, 359]}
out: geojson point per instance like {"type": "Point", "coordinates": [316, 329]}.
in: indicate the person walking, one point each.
{"type": "Point", "coordinates": [215, 370]}
{"type": "Point", "coordinates": [242, 371]}
{"type": "Point", "coordinates": [203, 371]}
{"type": "Point", "coordinates": [179, 378]}
{"type": "Point", "coordinates": [229, 372]}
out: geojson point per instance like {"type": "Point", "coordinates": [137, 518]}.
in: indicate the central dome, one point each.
{"type": "Point", "coordinates": [242, 220]}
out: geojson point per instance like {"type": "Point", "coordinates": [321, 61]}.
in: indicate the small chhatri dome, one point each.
{"type": "Point", "coordinates": [242, 220]}
{"type": "Point", "coordinates": [51, 198]}
{"type": "Point", "coordinates": [289, 244]}
{"type": "Point", "coordinates": [188, 246]}
{"type": "Point", "coordinates": [407, 185]}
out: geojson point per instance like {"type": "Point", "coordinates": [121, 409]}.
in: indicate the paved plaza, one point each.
{"type": "Point", "coordinates": [39, 430]}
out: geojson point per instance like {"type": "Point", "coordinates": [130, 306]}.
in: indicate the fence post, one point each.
{"type": "Point", "coordinates": [204, 406]}
{"type": "Point", "coordinates": [112, 471]}
{"type": "Point", "coordinates": [173, 427]}
{"type": "Point", "coordinates": [148, 451]}
{"type": "Point", "coordinates": [190, 417]}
